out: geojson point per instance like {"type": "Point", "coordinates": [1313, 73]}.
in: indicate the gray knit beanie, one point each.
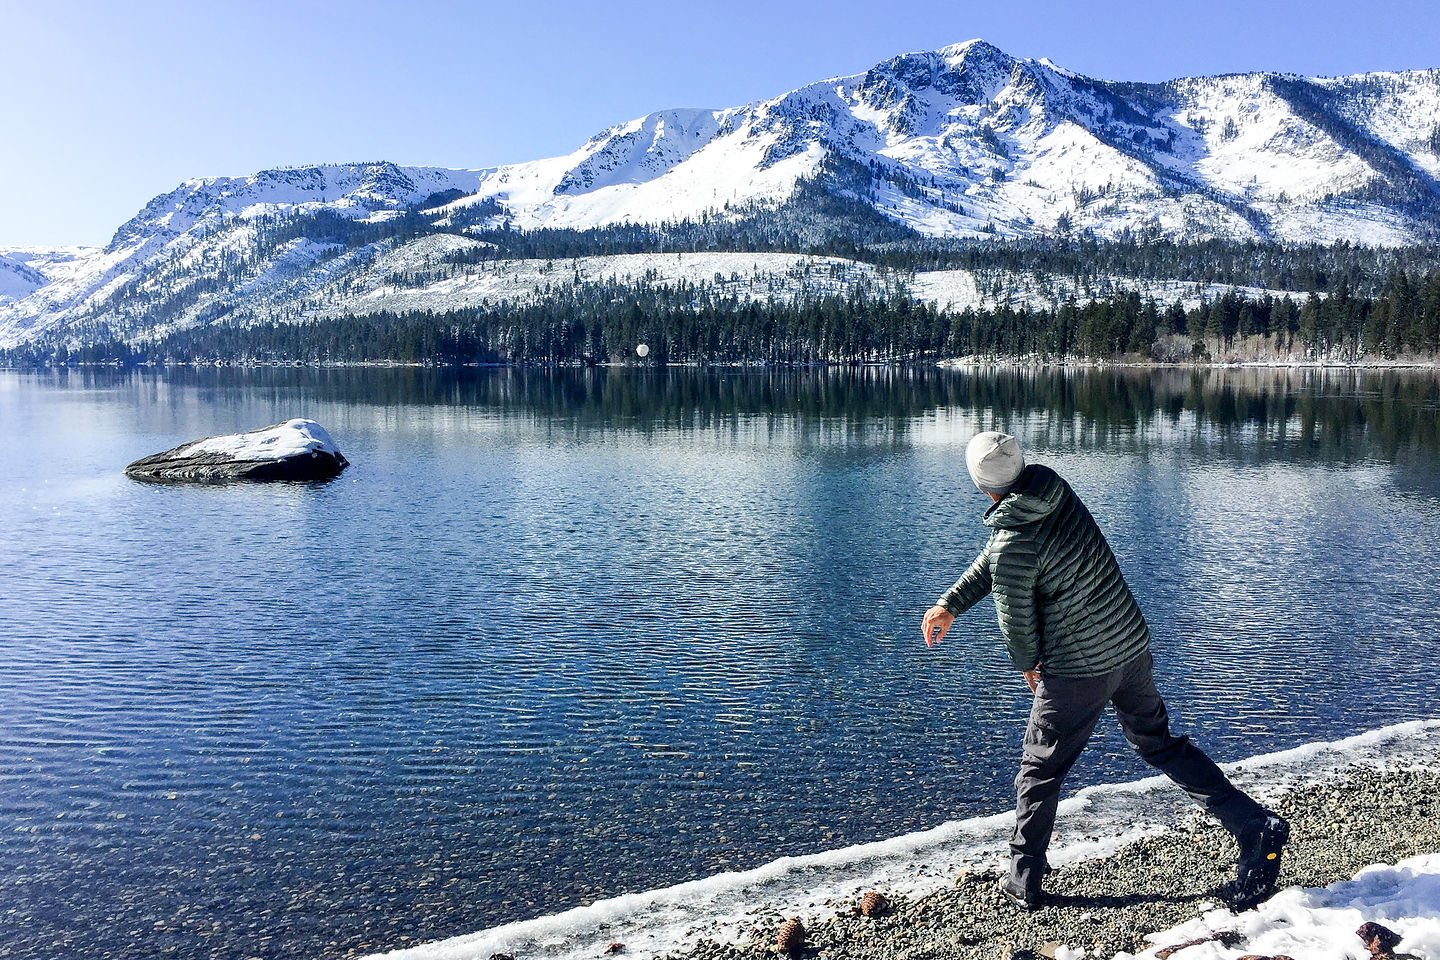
{"type": "Point", "coordinates": [994, 460]}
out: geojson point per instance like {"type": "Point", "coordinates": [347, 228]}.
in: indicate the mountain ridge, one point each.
{"type": "Point", "coordinates": [963, 142]}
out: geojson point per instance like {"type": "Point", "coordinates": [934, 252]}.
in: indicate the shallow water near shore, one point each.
{"type": "Point", "coordinates": [743, 909]}
{"type": "Point", "coordinates": [558, 636]}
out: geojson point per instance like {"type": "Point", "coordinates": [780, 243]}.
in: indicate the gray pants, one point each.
{"type": "Point", "coordinates": [1061, 721]}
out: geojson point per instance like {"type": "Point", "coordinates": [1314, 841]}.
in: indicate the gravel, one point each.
{"type": "Point", "coordinates": [1108, 905]}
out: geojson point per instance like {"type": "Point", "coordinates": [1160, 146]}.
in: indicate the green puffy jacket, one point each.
{"type": "Point", "coordinates": [1059, 593]}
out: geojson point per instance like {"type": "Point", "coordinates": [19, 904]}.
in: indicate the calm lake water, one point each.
{"type": "Point", "coordinates": [560, 635]}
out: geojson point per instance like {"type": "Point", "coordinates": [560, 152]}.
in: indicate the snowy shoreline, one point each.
{"type": "Point", "coordinates": [1131, 859]}
{"type": "Point", "coordinates": [1366, 847]}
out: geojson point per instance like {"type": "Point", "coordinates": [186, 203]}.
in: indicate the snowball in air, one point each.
{"type": "Point", "coordinates": [643, 350]}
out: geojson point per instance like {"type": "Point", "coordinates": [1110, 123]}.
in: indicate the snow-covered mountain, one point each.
{"type": "Point", "coordinates": [206, 223]}
{"type": "Point", "coordinates": [965, 141]}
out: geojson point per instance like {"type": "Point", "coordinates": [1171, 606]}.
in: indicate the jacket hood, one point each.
{"type": "Point", "coordinates": [1034, 496]}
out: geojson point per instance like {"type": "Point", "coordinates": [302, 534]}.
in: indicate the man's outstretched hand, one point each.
{"type": "Point", "coordinates": [937, 621]}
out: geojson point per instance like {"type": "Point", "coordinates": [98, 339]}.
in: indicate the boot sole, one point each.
{"type": "Point", "coordinates": [1260, 881]}
{"type": "Point", "coordinates": [1272, 848]}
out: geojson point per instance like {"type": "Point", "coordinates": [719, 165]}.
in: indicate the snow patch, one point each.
{"type": "Point", "coordinates": [1321, 923]}
{"type": "Point", "coordinates": [293, 438]}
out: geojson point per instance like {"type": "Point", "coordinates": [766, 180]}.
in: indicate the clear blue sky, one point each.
{"type": "Point", "coordinates": [106, 103]}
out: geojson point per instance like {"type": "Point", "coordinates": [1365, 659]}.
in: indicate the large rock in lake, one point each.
{"type": "Point", "coordinates": [296, 450]}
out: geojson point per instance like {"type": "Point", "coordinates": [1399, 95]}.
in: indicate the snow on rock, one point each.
{"type": "Point", "coordinates": [1321, 924]}
{"type": "Point", "coordinates": [296, 450]}
{"type": "Point", "coordinates": [293, 438]}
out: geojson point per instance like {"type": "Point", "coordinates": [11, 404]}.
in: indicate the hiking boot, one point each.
{"type": "Point", "coordinates": [1024, 899]}
{"type": "Point", "coordinates": [1260, 849]}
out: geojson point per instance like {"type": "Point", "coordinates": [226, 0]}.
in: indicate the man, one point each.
{"type": "Point", "coordinates": [1074, 629]}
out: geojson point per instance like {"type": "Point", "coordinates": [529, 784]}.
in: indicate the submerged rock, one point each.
{"type": "Point", "coordinates": [296, 450]}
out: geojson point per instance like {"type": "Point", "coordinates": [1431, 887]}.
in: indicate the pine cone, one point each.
{"type": "Point", "coordinates": [791, 938]}
{"type": "Point", "coordinates": [874, 904]}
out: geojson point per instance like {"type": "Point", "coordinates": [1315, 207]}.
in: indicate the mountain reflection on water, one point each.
{"type": "Point", "coordinates": [1299, 412]}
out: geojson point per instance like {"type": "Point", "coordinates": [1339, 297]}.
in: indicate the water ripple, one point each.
{"type": "Point", "coordinates": [524, 655]}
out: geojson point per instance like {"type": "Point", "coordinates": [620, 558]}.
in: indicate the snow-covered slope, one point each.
{"type": "Point", "coordinates": [23, 270]}
{"type": "Point", "coordinates": [967, 140]}
{"type": "Point", "coordinates": [17, 280]}
{"type": "Point", "coordinates": [964, 141]}
{"type": "Point", "coordinates": [354, 190]}
{"type": "Point", "coordinates": [672, 165]}
{"type": "Point", "coordinates": [305, 280]}
{"type": "Point", "coordinates": [205, 225]}
{"type": "Point", "coordinates": [432, 284]}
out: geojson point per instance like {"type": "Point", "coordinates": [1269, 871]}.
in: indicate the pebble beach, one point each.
{"type": "Point", "coordinates": [1111, 905]}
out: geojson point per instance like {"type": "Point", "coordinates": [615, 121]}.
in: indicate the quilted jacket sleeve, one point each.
{"type": "Point", "coordinates": [971, 588]}
{"type": "Point", "coordinates": [1015, 572]}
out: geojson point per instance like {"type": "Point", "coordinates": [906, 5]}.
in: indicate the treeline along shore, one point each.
{"type": "Point", "coordinates": [604, 322]}
{"type": "Point", "coordinates": [1339, 303]}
